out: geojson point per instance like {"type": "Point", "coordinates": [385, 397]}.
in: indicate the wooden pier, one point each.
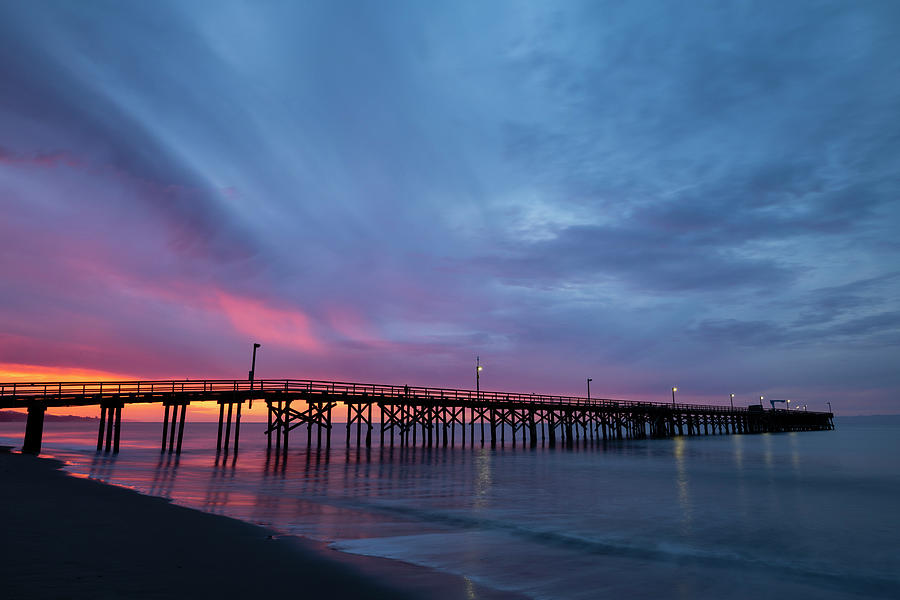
{"type": "Point", "coordinates": [407, 416]}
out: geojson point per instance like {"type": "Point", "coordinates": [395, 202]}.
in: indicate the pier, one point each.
{"type": "Point", "coordinates": [407, 416]}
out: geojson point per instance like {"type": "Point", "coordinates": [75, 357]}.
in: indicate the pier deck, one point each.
{"type": "Point", "coordinates": [408, 415]}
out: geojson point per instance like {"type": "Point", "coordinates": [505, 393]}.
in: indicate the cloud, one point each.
{"type": "Point", "coordinates": [642, 258]}
{"type": "Point", "coordinates": [51, 159]}
{"type": "Point", "coordinates": [280, 326]}
{"type": "Point", "coordinates": [629, 188]}
{"type": "Point", "coordinates": [57, 95]}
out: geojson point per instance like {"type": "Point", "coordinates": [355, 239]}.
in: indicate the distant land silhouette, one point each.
{"type": "Point", "coordinates": [9, 416]}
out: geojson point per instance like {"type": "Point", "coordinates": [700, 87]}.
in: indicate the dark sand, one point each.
{"type": "Point", "coordinates": [66, 537]}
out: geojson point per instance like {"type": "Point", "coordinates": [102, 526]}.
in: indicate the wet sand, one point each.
{"type": "Point", "coordinates": [66, 537]}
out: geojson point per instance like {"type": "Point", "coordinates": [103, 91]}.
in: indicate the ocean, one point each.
{"type": "Point", "coordinates": [802, 515]}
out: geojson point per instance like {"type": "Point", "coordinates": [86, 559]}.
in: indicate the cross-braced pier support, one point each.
{"type": "Point", "coordinates": [282, 419]}
{"type": "Point", "coordinates": [409, 416]}
{"type": "Point", "coordinates": [360, 414]}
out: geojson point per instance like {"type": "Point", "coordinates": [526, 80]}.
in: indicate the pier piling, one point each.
{"type": "Point", "coordinates": [432, 413]}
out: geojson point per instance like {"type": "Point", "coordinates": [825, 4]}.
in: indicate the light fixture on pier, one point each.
{"type": "Point", "coordinates": [732, 402]}
{"type": "Point", "coordinates": [674, 389]}
{"type": "Point", "coordinates": [252, 373]}
{"type": "Point", "coordinates": [478, 369]}
{"type": "Point", "coordinates": [589, 380]}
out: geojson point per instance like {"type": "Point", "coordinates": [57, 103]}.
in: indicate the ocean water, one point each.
{"type": "Point", "coordinates": [803, 515]}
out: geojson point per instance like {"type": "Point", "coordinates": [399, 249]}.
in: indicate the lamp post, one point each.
{"type": "Point", "coordinates": [761, 398]}
{"type": "Point", "coordinates": [252, 373]}
{"type": "Point", "coordinates": [478, 368]}
{"type": "Point", "coordinates": [674, 389]}
{"type": "Point", "coordinates": [829, 406]}
{"type": "Point", "coordinates": [732, 402]}
{"type": "Point", "coordinates": [589, 380]}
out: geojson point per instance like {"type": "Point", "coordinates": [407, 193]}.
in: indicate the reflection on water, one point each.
{"type": "Point", "coordinates": [795, 454]}
{"type": "Point", "coordinates": [766, 439]}
{"type": "Point", "coordinates": [482, 478]}
{"type": "Point", "coordinates": [737, 444]}
{"type": "Point", "coordinates": [805, 512]}
{"type": "Point", "coordinates": [681, 481]}
{"type": "Point", "coordinates": [470, 589]}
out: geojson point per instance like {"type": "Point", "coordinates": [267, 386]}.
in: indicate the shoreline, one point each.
{"type": "Point", "coordinates": [73, 537]}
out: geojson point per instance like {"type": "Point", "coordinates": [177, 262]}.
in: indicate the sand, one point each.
{"type": "Point", "coordinates": [67, 537]}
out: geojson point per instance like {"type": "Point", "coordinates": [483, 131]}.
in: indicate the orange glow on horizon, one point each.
{"type": "Point", "coordinates": [16, 373]}
{"type": "Point", "coordinates": [197, 411]}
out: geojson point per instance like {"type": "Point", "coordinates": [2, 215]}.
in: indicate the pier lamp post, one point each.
{"type": "Point", "coordinates": [589, 380]}
{"type": "Point", "coordinates": [252, 373]}
{"type": "Point", "coordinates": [829, 406]}
{"type": "Point", "coordinates": [761, 402]}
{"type": "Point", "coordinates": [478, 369]}
{"type": "Point", "coordinates": [732, 402]}
{"type": "Point", "coordinates": [674, 389]}
{"type": "Point", "coordinates": [787, 405]}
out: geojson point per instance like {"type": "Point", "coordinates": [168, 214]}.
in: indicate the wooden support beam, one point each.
{"type": "Point", "coordinates": [551, 427]}
{"type": "Point", "coordinates": [34, 428]}
{"type": "Point", "coordinates": [481, 419]}
{"type": "Point", "coordinates": [109, 429]}
{"type": "Point", "coordinates": [181, 427]}
{"type": "Point", "coordinates": [268, 425]}
{"type": "Point", "coordinates": [369, 426]}
{"type": "Point", "coordinates": [309, 425]}
{"type": "Point", "coordinates": [118, 429]}
{"type": "Point", "coordinates": [493, 414]}
{"type": "Point", "coordinates": [165, 427]}
{"type": "Point", "coordinates": [228, 427]}
{"type": "Point", "coordinates": [532, 429]}
{"type": "Point", "coordinates": [103, 427]}
{"type": "Point", "coordinates": [171, 445]}
{"type": "Point", "coordinates": [328, 426]}
{"type": "Point", "coordinates": [237, 426]}
{"type": "Point", "coordinates": [541, 421]}
{"type": "Point", "coordinates": [349, 422]}
{"type": "Point", "coordinates": [456, 414]}
{"type": "Point", "coordinates": [279, 427]}
{"type": "Point", "coordinates": [287, 429]}
{"type": "Point", "coordinates": [221, 421]}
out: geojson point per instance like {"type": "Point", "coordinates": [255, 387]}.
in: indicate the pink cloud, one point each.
{"type": "Point", "coordinates": [51, 159]}
{"type": "Point", "coordinates": [283, 326]}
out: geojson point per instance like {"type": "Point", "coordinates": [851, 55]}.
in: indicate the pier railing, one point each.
{"type": "Point", "coordinates": [404, 411]}
{"type": "Point", "coordinates": [63, 389]}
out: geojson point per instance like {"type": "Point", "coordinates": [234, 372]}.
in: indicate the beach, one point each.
{"type": "Point", "coordinates": [70, 537]}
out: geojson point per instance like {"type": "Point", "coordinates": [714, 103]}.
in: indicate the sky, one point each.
{"type": "Point", "coordinates": [649, 194]}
